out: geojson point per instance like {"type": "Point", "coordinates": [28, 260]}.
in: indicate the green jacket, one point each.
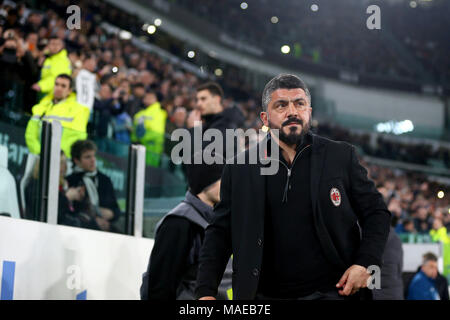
{"type": "Point", "coordinates": [148, 129]}
{"type": "Point", "coordinates": [440, 235]}
{"type": "Point", "coordinates": [53, 66]}
{"type": "Point", "coordinates": [72, 116]}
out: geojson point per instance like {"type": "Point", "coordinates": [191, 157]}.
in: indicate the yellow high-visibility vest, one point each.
{"type": "Point", "coordinates": [53, 66]}
{"type": "Point", "coordinates": [72, 116]}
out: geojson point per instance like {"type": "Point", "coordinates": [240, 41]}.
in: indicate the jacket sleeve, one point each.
{"type": "Point", "coordinates": [109, 199]}
{"type": "Point", "coordinates": [216, 249]}
{"type": "Point", "coordinates": [168, 260]}
{"type": "Point", "coordinates": [32, 136]}
{"type": "Point", "coordinates": [76, 132]}
{"type": "Point", "coordinates": [373, 215]}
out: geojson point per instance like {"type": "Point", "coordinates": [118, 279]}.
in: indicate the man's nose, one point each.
{"type": "Point", "coordinates": [291, 110]}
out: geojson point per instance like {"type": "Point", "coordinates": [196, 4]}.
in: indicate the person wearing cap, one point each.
{"type": "Point", "coordinates": [172, 267]}
{"type": "Point", "coordinates": [310, 230]}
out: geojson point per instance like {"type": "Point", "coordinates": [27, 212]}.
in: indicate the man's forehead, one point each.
{"type": "Point", "coordinates": [288, 94]}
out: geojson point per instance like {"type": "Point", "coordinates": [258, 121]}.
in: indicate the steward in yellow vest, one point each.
{"type": "Point", "coordinates": [59, 105]}
{"type": "Point", "coordinates": [149, 126]}
{"type": "Point", "coordinates": [57, 63]}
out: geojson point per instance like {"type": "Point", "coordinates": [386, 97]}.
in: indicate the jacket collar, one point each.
{"type": "Point", "coordinates": [205, 211]}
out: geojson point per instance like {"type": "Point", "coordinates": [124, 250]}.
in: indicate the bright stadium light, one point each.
{"type": "Point", "coordinates": [395, 127]}
{"type": "Point", "coordinates": [125, 35]}
{"type": "Point", "coordinates": [314, 7]}
{"type": "Point", "coordinates": [274, 19]}
{"type": "Point", "coordinates": [285, 49]}
{"type": "Point", "coordinates": [244, 5]}
{"type": "Point", "coordinates": [191, 54]}
{"type": "Point", "coordinates": [440, 194]}
{"type": "Point", "coordinates": [151, 29]}
{"type": "Point", "coordinates": [413, 4]}
{"type": "Point", "coordinates": [218, 72]}
{"type": "Point", "coordinates": [115, 69]}
{"type": "Point", "coordinates": [157, 22]}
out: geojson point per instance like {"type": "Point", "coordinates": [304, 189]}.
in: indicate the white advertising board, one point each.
{"type": "Point", "coordinates": [42, 261]}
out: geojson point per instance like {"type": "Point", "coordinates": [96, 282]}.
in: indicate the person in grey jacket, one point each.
{"type": "Point", "coordinates": [391, 272]}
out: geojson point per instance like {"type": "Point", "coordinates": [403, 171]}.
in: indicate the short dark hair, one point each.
{"type": "Point", "coordinates": [429, 256]}
{"type": "Point", "coordinates": [138, 85]}
{"type": "Point", "coordinates": [213, 87]}
{"type": "Point", "coordinates": [283, 81]}
{"type": "Point", "coordinates": [81, 146]}
{"type": "Point", "coordinates": [65, 76]}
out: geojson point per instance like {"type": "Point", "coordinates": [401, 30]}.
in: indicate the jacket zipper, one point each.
{"type": "Point", "coordinates": [289, 172]}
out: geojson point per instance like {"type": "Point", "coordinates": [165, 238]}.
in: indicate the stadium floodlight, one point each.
{"type": "Point", "coordinates": [274, 19]}
{"type": "Point", "coordinates": [218, 72]}
{"type": "Point", "coordinates": [440, 194]}
{"type": "Point", "coordinates": [191, 54]}
{"type": "Point", "coordinates": [151, 29]}
{"type": "Point", "coordinates": [114, 69]}
{"type": "Point", "coordinates": [314, 7]}
{"type": "Point", "coordinates": [244, 5]}
{"type": "Point", "coordinates": [157, 22]}
{"type": "Point", "coordinates": [413, 4]}
{"type": "Point", "coordinates": [285, 49]}
{"type": "Point", "coordinates": [125, 35]}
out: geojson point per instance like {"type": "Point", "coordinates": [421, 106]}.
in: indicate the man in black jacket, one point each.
{"type": "Point", "coordinates": [309, 231]}
{"type": "Point", "coordinates": [100, 202]}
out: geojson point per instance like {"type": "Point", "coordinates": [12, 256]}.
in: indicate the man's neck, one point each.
{"type": "Point", "coordinates": [205, 199]}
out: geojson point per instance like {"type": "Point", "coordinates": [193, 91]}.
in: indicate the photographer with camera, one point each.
{"type": "Point", "coordinates": [16, 65]}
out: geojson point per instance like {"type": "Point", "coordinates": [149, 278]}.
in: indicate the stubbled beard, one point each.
{"type": "Point", "coordinates": [293, 137]}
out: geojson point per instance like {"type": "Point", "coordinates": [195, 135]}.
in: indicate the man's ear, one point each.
{"type": "Point", "coordinates": [264, 118]}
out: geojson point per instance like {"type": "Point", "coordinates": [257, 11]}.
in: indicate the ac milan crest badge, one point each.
{"type": "Point", "coordinates": [335, 196]}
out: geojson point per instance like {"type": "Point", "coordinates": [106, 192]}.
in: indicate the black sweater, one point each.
{"type": "Point", "coordinates": [293, 262]}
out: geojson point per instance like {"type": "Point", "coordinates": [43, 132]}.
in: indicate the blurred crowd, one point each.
{"type": "Point", "coordinates": [384, 147]}
{"type": "Point", "coordinates": [418, 204]}
{"type": "Point", "coordinates": [337, 35]}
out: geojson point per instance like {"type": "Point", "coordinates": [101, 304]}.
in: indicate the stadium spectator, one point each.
{"type": "Point", "coordinates": [86, 81]}
{"type": "Point", "coordinates": [56, 63]}
{"type": "Point", "coordinates": [172, 268]}
{"type": "Point", "coordinates": [439, 232]}
{"type": "Point", "coordinates": [428, 284]}
{"type": "Point", "coordinates": [17, 65]}
{"type": "Point", "coordinates": [100, 200]}
{"type": "Point", "coordinates": [60, 105]}
{"type": "Point", "coordinates": [102, 115]}
{"type": "Point", "coordinates": [67, 215]}
{"type": "Point", "coordinates": [136, 104]}
{"type": "Point", "coordinates": [149, 127]}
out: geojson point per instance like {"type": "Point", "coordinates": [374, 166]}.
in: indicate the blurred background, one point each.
{"type": "Point", "coordinates": [387, 91]}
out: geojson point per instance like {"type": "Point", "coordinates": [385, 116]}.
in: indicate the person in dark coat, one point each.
{"type": "Point", "coordinates": [172, 268]}
{"type": "Point", "coordinates": [100, 201]}
{"type": "Point", "coordinates": [391, 273]}
{"type": "Point", "coordinates": [308, 230]}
